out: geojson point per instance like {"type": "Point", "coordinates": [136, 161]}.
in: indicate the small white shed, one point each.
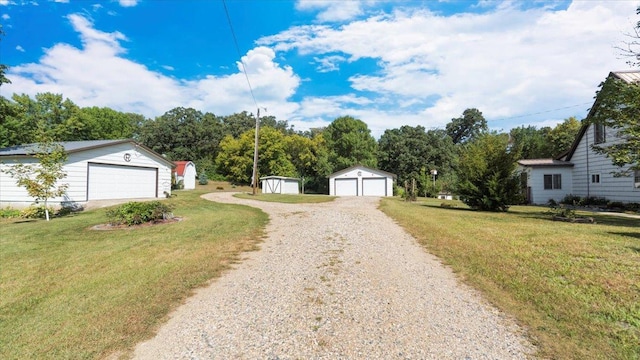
{"type": "Point", "coordinates": [186, 171]}
{"type": "Point", "coordinates": [96, 170]}
{"type": "Point", "coordinates": [280, 185]}
{"type": "Point", "coordinates": [360, 180]}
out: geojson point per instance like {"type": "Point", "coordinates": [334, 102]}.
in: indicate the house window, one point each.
{"type": "Point", "coordinates": [598, 134]}
{"type": "Point", "coordinates": [595, 178]}
{"type": "Point", "coordinates": [552, 181]}
{"type": "Point", "coordinates": [637, 178]}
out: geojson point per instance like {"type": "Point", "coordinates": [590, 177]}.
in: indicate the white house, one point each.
{"type": "Point", "coordinates": [280, 185]}
{"type": "Point", "coordinates": [185, 171]}
{"type": "Point", "coordinates": [545, 179]}
{"type": "Point", "coordinates": [582, 171]}
{"type": "Point", "coordinates": [96, 170]}
{"type": "Point", "coordinates": [360, 180]}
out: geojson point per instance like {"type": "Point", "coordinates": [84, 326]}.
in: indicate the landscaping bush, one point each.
{"type": "Point", "coordinates": [135, 213]}
{"type": "Point", "coordinates": [35, 212]}
{"type": "Point", "coordinates": [9, 213]}
{"type": "Point", "coordinates": [202, 179]}
{"type": "Point", "coordinates": [571, 200]}
{"type": "Point", "coordinates": [595, 201]}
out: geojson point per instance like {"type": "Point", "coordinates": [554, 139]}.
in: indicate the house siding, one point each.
{"type": "Point", "coordinates": [535, 180]}
{"type": "Point", "coordinates": [588, 162]}
{"type": "Point", "coordinates": [77, 167]}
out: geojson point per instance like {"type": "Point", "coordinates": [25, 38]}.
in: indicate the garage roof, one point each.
{"type": "Point", "coordinates": [343, 171]}
{"type": "Point", "coordinates": [77, 146]}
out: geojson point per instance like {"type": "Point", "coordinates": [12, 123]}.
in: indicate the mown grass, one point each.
{"type": "Point", "coordinates": [287, 198]}
{"type": "Point", "coordinates": [70, 292]}
{"type": "Point", "coordinates": [576, 287]}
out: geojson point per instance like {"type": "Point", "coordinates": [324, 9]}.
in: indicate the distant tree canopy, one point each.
{"type": "Point", "coordinates": [350, 142]}
{"type": "Point", "coordinates": [222, 146]}
{"type": "Point", "coordinates": [467, 127]}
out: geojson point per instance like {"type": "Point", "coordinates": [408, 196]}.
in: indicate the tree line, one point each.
{"type": "Point", "coordinates": [222, 146]}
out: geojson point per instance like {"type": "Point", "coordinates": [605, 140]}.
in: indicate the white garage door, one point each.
{"type": "Point", "coordinates": [121, 182]}
{"type": "Point", "coordinates": [374, 187]}
{"type": "Point", "coordinates": [346, 187]}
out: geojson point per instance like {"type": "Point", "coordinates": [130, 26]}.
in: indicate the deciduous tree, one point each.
{"type": "Point", "coordinates": [466, 127]}
{"type": "Point", "coordinates": [618, 108]}
{"type": "Point", "coordinates": [350, 142]}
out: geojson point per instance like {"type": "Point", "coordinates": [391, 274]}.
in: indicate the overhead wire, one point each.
{"type": "Point", "coordinates": [235, 41]}
{"type": "Point", "coordinates": [542, 112]}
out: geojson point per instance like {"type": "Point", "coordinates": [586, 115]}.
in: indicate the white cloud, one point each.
{"type": "Point", "coordinates": [331, 10]}
{"type": "Point", "coordinates": [168, 67]}
{"type": "Point", "coordinates": [6, 17]}
{"type": "Point", "coordinates": [20, 48]}
{"type": "Point", "coordinates": [98, 74]}
{"type": "Point", "coordinates": [61, 1]}
{"type": "Point", "coordinates": [4, 2]}
{"type": "Point", "coordinates": [128, 3]}
{"type": "Point", "coordinates": [506, 61]}
{"type": "Point", "coordinates": [328, 63]}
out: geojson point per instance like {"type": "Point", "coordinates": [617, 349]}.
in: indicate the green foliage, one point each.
{"type": "Point", "coordinates": [42, 180]}
{"type": "Point", "coordinates": [411, 153]}
{"type": "Point", "coordinates": [135, 213]}
{"type": "Point", "coordinates": [202, 179]}
{"type": "Point", "coordinates": [465, 128]}
{"type": "Point", "coordinates": [35, 212]}
{"type": "Point", "coordinates": [235, 158]}
{"type": "Point", "coordinates": [618, 107]}
{"type": "Point", "coordinates": [8, 213]}
{"type": "Point", "coordinates": [487, 176]}
{"type": "Point", "coordinates": [349, 143]}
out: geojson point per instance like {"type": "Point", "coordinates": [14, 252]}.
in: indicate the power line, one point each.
{"type": "Point", "coordinates": [543, 112]}
{"type": "Point", "coordinates": [235, 41]}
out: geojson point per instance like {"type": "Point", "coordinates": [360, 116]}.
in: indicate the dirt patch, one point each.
{"type": "Point", "coordinates": [133, 227]}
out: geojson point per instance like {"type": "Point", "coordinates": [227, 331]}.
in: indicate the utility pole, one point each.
{"type": "Point", "coordinates": [254, 178]}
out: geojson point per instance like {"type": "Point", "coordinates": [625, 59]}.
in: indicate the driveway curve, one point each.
{"type": "Point", "coordinates": [337, 280]}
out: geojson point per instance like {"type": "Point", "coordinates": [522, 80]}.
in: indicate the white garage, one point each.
{"type": "Point", "coordinates": [360, 180]}
{"type": "Point", "coordinates": [96, 170]}
{"type": "Point", "coordinates": [108, 181]}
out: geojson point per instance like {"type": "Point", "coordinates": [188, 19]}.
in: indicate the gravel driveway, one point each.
{"type": "Point", "coordinates": [337, 280]}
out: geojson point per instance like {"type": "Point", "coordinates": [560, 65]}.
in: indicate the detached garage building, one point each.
{"type": "Point", "coordinates": [96, 170]}
{"type": "Point", "coordinates": [360, 180]}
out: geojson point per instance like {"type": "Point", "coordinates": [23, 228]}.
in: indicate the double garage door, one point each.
{"type": "Point", "coordinates": [370, 187]}
{"type": "Point", "coordinates": [121, 182]}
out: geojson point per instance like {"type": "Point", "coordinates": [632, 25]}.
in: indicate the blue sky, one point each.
{"type": "Point", "coordinates": [388, 63]}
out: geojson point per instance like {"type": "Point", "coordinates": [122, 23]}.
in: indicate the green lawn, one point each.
{"type": "Point", "coordinates": [70, 292]}
{"type": "Point", "coordinates": [576, 287]}
{"type": "Point", "coordinates": [287, 198]}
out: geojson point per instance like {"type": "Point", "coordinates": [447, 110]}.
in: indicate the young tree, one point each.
{"type": "Point", "coordinates": [486, 174]}
{"type": "Point", "coordinates": [42, 180]}
{"type": "Point", "coordinates": [618, 108]}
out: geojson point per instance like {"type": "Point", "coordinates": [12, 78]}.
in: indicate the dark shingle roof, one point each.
{"type": "Point", "coordinates": [69, 146]}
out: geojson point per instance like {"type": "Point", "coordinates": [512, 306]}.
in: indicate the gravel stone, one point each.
{"type": "Point", "coordinates": [337, 280]}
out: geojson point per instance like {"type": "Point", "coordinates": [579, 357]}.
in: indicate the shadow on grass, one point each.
{"type": "Point", "coordinates": [540, 214]}
{"type": "Point", "coordinates": [634, 235]}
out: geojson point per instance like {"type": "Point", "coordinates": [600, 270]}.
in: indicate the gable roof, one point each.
{"type": "Point", "coordinates": [544, 163]}
{"type": "Point", "coordinates": [181, 165]}
{"type": "Point", "coordinates": [344, 171]}
{"type": "Point", "coordinates": [71, 147]}
{"type": "Point", "coordinates": [629, 76]}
